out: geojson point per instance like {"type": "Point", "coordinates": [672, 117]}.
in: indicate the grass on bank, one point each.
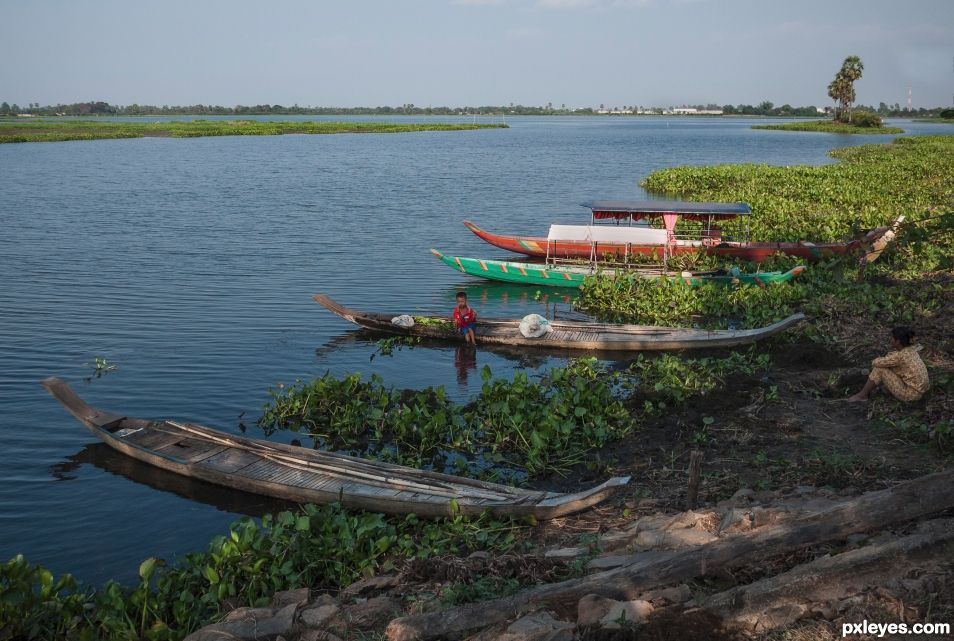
{"type": "Point", "coordinates": [63, 130]}
{"type": "Point", "coordinates": [832, 127]}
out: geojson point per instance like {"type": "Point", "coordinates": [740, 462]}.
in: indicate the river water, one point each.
{"type": "Point", "coordinates": [190, 265]}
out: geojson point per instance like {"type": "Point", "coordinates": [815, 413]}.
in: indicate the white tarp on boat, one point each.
{"type": "Point", "coordinates": [636, 235]}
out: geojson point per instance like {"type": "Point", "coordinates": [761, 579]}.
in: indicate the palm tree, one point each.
{"type": "Point", "coordinates": [842, 88]}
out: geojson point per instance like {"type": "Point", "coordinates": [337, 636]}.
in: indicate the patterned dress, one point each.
{"type": "Point", "coordinates": [902, 373]}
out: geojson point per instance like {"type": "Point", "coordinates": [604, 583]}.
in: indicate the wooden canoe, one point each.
{"type": "Point", "coordinates": [566, 334]}
{"type": "Point", "coordinates": [311, 476]}
{"type": "Point", "coordinates": [541, 247]}
{"type": "Point", "coordinates": [550, 275]}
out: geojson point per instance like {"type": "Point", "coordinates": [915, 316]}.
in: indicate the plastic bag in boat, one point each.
{"type": "Point", "coordinates": [403, 321]}
{"type": "Point", "coordinates": [534, 326]}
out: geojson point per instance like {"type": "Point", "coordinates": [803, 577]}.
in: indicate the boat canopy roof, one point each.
{"type": "Point", "coordinates": [636, 209]}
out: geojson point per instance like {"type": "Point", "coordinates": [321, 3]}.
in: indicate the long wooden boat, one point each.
{"type": "Point", "coordinates": [596, 241]}
{"type": "Point", "coordinates": [566, 334]}
{"type": "Point", "coordinates": [312, 476]}
{"type": "Point", "coordinates": [563, 275]}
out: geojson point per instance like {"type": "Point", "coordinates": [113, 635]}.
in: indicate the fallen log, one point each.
{"type": "Point", "coordinates": [777, 601]}
{"type": "Point", "coordinates": [908, 500]}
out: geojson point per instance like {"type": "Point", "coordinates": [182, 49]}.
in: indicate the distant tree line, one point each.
{"type": "Point", "coordinates": [99, 108]}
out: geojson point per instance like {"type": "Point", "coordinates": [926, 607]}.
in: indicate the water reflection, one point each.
{"type": "Point", "coordinates": [465, 359]}
{"type": "Point", "coordinates": [221, 498]}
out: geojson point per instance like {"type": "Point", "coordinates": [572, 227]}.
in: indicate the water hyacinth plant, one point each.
{"type": "Point", "coordinates": [537, 426]}
{"type": "Point", "coordinates": [321, 547]}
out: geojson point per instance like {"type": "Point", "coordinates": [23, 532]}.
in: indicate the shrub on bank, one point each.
{"type": "Point", "coordinates": [865, 119]}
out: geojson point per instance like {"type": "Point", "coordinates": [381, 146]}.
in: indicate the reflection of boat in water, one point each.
{"type": "Point", "coordinates": [507, 293]}
{"type": "Point", "coordinates": [221, 498]}
{"type": "Point", "coordinates": [304, 475]}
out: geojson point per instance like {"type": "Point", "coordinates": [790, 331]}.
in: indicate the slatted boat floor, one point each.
{"type": "Point", "coordinates": [272, 466]}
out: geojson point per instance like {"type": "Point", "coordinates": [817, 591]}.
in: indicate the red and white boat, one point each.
{"type": "Point", "coordinates": [650, 230]}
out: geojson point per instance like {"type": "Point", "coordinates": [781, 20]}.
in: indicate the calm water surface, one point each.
{"type": "Point", "coordinates": [191, 264]}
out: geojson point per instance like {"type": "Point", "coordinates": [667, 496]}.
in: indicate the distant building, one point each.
{"type": "Point", "coordinates": [692, 111]}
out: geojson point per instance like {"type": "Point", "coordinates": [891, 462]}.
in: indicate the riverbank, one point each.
{"type": "Point", "coordinates": [769, 423]}
{"type": "Point", "coordinates": [775, 439]}
{"type": "Point", "coordinates": [64, 130]}
{"type": "Point", "coordinates": [831, 127]}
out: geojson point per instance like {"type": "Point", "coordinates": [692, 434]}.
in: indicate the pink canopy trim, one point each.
{"type": "Point", "coordinates": [669, 220]}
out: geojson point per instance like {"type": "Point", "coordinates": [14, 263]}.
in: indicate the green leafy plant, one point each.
{"type": "Point", "coordinates": [318, 546]}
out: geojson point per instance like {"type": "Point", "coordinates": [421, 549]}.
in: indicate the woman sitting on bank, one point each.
{"type": "Point", "coordinates": [901, 372]}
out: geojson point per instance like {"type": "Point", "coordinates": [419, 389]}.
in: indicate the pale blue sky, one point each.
{"type": "Point", "coordinates": [472, 52]}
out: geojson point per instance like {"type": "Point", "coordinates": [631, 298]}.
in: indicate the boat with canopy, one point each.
{"type": "Point", "coordinates": [652, 230]}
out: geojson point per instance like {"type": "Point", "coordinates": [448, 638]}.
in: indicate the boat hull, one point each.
{"type": "Point", "coordinates": [549, 275]}
{"type": "Point", "coordinates": [536, 246]}
{"type": "Point", "coordinates": [567, 335]}
{"type": "Point", "coordinates": [312, 476]}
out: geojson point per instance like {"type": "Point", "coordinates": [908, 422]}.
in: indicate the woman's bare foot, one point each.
{"type": "Point", "coordinates": [856, 398]}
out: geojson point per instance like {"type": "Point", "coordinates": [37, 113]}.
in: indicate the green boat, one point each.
{"type": "Point", "coordinates": [551, 275]}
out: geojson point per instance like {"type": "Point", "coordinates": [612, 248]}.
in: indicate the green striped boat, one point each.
{"type": "Point", "coordinates": [549, 275]}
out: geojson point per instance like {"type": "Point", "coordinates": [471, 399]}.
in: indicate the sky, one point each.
{"type": "Point", "coordinates": [577, 53]}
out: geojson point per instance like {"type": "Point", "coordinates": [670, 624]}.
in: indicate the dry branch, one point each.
{"type": "Point", "coordinates": [782, 599]}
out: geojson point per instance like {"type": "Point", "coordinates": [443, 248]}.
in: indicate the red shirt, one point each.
{"type": "Point", "coordinates": [464, 318]}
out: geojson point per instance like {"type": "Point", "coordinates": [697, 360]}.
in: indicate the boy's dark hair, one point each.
{"type": "Point", "coordinates": [903, 334]}
{"type": "Point", "coordinates": [461, 295]}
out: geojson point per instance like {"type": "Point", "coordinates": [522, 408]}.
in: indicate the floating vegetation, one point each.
{"type": "Point", "coordinates": [512, 428]}
{"type": "Point", "coordinates": [833, 127]}
{"type": "Point", "coordinates": [870, 187]}
{"type": "Point", "coordinates": [62, 130]}
{"type": "Point", "coordinates": [386, 346]}
{"type": "Point", "coordinates": [100, 366]}
{"type": "Point", "coordinates": [537, 426]}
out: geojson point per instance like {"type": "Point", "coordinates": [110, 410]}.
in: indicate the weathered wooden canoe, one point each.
{"type": "Point", "coordinates": [551, 275]}
{"type": "Point", "coordinates": [312, 476]}
{"type": "Point", "coordinates": [566, 334]}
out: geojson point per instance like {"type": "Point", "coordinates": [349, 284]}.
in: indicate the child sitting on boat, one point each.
{"type": "Point", "coordinates": [465, 318]}
{"type": "Point", "coordinates": [901, 372]}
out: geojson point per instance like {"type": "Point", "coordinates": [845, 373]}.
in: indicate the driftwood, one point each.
{"type": "Point", "coordinates": [637, 573]}
{"type": "Point", "coordinates": [782, 599]}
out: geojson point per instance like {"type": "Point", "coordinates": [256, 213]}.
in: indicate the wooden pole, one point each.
{"type": "Point", "coordinates": [695, 470]}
